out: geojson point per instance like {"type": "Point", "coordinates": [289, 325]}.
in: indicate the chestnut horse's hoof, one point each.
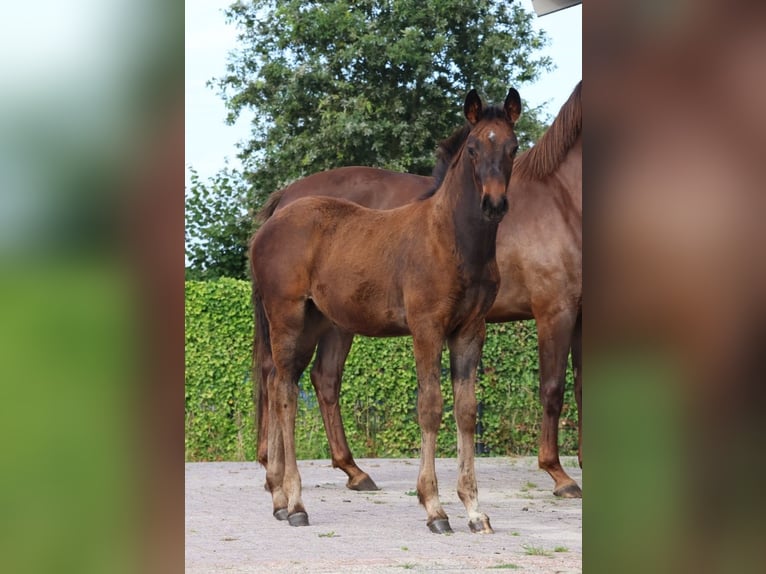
{"type": "Point", "coordinates": [366, 483]}
{"type": "Point", "coordinates": [481, 526]}
{"type": "Point", "coordinates": [280, 514]}
{"type": "Point", "coordinates": [298, 519]}
{"type": "Point", "coordinates": [440, 526]}
{"type": "Point", "coordinates": [569, 491]}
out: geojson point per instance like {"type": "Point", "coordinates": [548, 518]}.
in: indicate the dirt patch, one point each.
{"type": "Point", "coordinates": [229, 527]}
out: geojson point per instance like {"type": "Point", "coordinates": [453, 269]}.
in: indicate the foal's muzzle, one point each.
{"type": "Point", "coordinates": [494, 210]}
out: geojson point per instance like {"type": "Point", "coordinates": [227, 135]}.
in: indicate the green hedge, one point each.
{"type": "Point", "coordinates": [379, 389]}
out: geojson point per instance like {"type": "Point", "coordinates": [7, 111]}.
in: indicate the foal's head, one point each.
{"type": "Point", "coordinates": [492, 145]}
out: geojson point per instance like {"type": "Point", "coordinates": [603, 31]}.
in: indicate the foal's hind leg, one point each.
{"type": "Point", "coordinates": [465, 353]}
{"type": "Point", "coordinates": [554, 335]}
{"type": "Point", "coordinates": [293, 336]}
{"type": "Point", "coordinates": [326, 375]}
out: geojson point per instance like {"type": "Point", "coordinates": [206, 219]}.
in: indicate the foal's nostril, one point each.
{"type": "Point", "coordinates": [494, 210]}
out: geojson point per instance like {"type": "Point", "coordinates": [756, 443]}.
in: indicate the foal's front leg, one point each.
{"type": "Point", "coordinates": [427, 347]}
{"type": "Point", "coordinates": [465, 352]}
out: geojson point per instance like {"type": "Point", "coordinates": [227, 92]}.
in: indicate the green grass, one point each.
{"type": "Point", "coordinates": [561, 549]}
{"type": "Point", "coordinates": [411, 493]}
{"type": "Point", "coordinates": [505, 567]}
{"type": "Point", "coordinates": [330, 534]}
{"type": "Point", "coordinates": [536, 551]}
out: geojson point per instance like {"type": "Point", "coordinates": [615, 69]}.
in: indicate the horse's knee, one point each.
{"type": "Point", "coordinates": [552, 395]}
{"type": "Point", "coordinates": [430, 413]}
{"type": "Point", "coordinates": [327, 387]}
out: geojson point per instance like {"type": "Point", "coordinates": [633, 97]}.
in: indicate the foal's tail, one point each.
{"type": "Point", "coordinates": [261, 366]}
{"type": "Point", "coordinates": [262, 359]}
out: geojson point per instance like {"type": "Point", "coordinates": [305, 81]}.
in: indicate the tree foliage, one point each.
{"type": "Point", "coordinates": [371, 82]}
{"type": "Point", "coordinates": [218, 227]}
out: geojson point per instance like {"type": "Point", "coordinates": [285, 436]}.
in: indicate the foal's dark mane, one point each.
{"type": "Point", "coordinates": [535, 163]}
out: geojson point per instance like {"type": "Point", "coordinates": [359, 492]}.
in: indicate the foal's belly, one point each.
{"type": "Point", "coordinates": [369, 316]}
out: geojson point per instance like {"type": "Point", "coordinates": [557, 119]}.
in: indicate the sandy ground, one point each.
{"type": "Point", "coordinates": [229, 526]}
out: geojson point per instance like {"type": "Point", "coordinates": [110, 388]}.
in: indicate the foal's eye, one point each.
{"type": "Point", "coordinates": [472, 151]}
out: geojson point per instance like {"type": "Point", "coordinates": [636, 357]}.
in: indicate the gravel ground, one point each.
{"type": "Point", "coordinates": [229, 527]}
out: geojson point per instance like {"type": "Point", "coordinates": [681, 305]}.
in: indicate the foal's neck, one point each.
{"type": "Point", "coordinates": [458, 206]}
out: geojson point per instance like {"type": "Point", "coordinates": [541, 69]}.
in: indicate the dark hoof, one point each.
{"type": "Point", "coordinates": [365, 484]}
{"type": "Point", "coordinates": [569, 491]}
{"type": "Point", "coordinates": [280, 514]}
{"type": "Point", "coordinates": [298, 519]}
{"type": "Point", "coordinates": [481, 526]}
{"type": "Point", "coordinates": [440, 526]}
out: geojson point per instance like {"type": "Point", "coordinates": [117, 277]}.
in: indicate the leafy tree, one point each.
{"type": "Point", "coordinates": [218, 227]}
{"type": "Point", "coordinates": [370, 82]}
{"type": "Point", "coordinates": [335, 82]}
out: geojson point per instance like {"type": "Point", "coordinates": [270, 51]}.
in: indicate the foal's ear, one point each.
{"type": "Point", "coordinates": [472, 107]}
{"type": "Point", "coordinates": [512, 105]}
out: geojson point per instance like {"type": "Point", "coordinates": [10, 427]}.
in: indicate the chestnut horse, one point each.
{"type": "Point", "coordinates": [539, 253]}
{"type": "Point", "coordinates": [427, 269]}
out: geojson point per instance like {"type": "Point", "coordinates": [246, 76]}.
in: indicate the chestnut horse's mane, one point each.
{"type": "Point", "coordinates": [548, 153]}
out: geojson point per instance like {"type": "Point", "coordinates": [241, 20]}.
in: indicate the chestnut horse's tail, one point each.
{"type": "Point", "coordinates": [270, 206]}
{"type": "Point", "coordinates": [261, 366]}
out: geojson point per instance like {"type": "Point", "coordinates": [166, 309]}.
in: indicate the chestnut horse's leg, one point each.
{"type": "Point", "coordinates": [326, 376]}
{"type": "Point", "coordinates": [427, 346]}
{"type": "Point", "coordinates": [465, 352]}
{"type": "Point", "coordinates": [577, 368]}
{"type": "Point", "coordinates": [554, 334]}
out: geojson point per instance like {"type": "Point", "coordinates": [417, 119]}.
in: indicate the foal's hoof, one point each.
{"type": "Point", "coordinates": [363, 484]}
{"type": "Point", "coordinates": [570, 490]}
{"type": "Point", "coordinates": [440, 526]}
{"type": "Point", "coordinates": [481, 526]}
{"type": "Point", "coordinates": [298, 519]}
{"type": "Point", "coordinates": [280, 514]}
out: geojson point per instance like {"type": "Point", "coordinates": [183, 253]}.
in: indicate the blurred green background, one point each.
{"type": "Point", "coordinates": [91, 93]}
